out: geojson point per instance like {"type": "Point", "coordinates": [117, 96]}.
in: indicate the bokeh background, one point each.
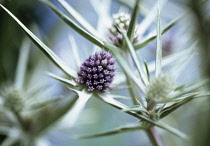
{"type": "Point", "coordinates": [193, 118]}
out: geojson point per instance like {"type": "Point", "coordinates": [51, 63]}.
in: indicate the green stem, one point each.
{"type": "Point", "coordinates": [151, 132]}
{"type": "Point", "coordinates": [19, 119]}
{"type": "Point", "coordinates": [154, 137]}
{"type": "Point", "coordinates": [150, 105]}
{"type": "Point", "coordinates": [22, 63]}
{"type": "Point", "coordinates": [132, 90]}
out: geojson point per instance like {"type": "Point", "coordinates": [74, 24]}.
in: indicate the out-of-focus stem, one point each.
{"type": "Point", "coordinates": [19, 119]}
{"type": "Point", "coordinates": [202, 32]}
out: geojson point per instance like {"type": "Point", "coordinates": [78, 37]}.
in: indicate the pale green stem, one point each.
{"type": "Point", "coordinates": [132, 90]}
{"type": "Point", "coordinates": [151, 132]}
{"type": "Point", "coordinates": [19, 119]}
{"type": "Point", "coordinates": [22, 63]}
{"type": "Point", "coordinates": [154, 137]}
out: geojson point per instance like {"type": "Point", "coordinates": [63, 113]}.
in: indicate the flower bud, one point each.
{"type": "Point", "coordinates": [160, 87]}
{"type": "Point", "coordinates": [121, 21]}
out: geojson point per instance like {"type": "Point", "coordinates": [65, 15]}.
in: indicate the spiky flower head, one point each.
{"type": "Point", "coordinates": [97, 72]}
{"type": "Point", "coordinates": [12, 98]}
{"type": "Point", "coordinates": [160, 87]}
{"type": "Point", "coordinates": [121, 22]}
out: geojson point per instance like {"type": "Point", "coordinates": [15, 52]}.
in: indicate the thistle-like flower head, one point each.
{"type": "Point", "coordinates": [97, 72]}
{"type": "Point", "coordinates": [121, 21]}
{"type": "Point", "coordinates": [12, 98]}
{"type": "Point", "coordinates": [160, 87]}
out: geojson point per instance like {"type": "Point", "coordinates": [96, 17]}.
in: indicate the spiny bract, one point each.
{"type": "Point", "coordinates": [97, 71]}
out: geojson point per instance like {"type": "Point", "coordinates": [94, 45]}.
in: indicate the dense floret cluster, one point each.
{"type": "Point", "coordinates": [97, 71]}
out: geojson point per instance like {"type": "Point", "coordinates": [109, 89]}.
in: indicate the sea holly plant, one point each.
{"type": "Point", "coordinates": [153, 97]}
{"type": "Point", "coordinates": [27, 115]}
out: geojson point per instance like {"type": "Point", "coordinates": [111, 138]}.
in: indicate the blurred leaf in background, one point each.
{"type": "Point", "coordinates": [201, 31]}
{"type": "Point", "coordinates": [11, 35]}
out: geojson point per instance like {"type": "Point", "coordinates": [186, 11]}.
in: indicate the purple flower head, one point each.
{"type": "Point", "coordinates": [97, 72]}
{"type": "Point", "coordinates": [121, 21]}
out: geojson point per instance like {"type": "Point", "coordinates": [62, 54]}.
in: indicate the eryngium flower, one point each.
{"type": "Point", "coordinates": [97, 72]}
{"type": "Point", "coordinates": [12, 98]}
{"type": "Point", "coordinates": [160, 87]}
{"type": "Point", "coordinates": [121, 21]}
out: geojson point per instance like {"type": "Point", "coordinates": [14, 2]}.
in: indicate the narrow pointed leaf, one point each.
{"type": "Point", "coordinates": [58, 112]}
{"type": "Point", "coordinates": [22, 63]}
{"type": "Point", "coordinates": [167, 110]}
{"type": "Point", "coordinates": [63, 80]}
{"type": "Point", "coordinates": [73, 25]}
{"type": "Point", "coordinates": [78, 107]}
{"type": "Point", "coordinates": [75, 51]}
{"type": "Point", "coordinates": [134, 18]}
{"type": "Point", "coordinates": [125, 66]}
{"type": "Point", "coordinates": [167, 60]}
{"type": "Point", "coordinates": [136, 109]}
{"type": "Point", "coordinates": [36, 91]}
{"type": "Point", "coordinates": [150, 37]}
{"type": "Point", "coordinates": [109, 100]}
{"type": "Point", "coordinates": [44, 103]}
{"type": "Point", "coordinates": [136, 59]}
{"type": "Point", "coordinates": [158, 61]}
{"type": "Point", "coordinates": [47, 51]}
{"type": "Point", "coordinates": [115, 131]}
{"type": "Point", "coordinates": [188, 89]}
{"type": "Point", "coordinates": [78, 29]}
{"type": "Point", "coordinates": [173, 58]}
{"type": "Point", "coordinates": [150, 17]}
{"type": "Point", "coordinates": [147, 70]}
{"type": "Point", "coordinates": [134, 92]}
{"type": "Point", "coordinates": [205, 94]}
{"type": "Point", "coordinates": [119, 97]}
{"type": "Point", "coordinates": [78, 17]}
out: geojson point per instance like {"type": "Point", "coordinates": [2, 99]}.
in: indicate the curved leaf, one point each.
{"type": "Point", "coordinates": [47, 51]}
{"type": "Point", "coordinates": [77, 17]}
{"type": "Point", "coordinates": [73, 25]}
{"type": "Point", "coordinates": [122, 129]}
